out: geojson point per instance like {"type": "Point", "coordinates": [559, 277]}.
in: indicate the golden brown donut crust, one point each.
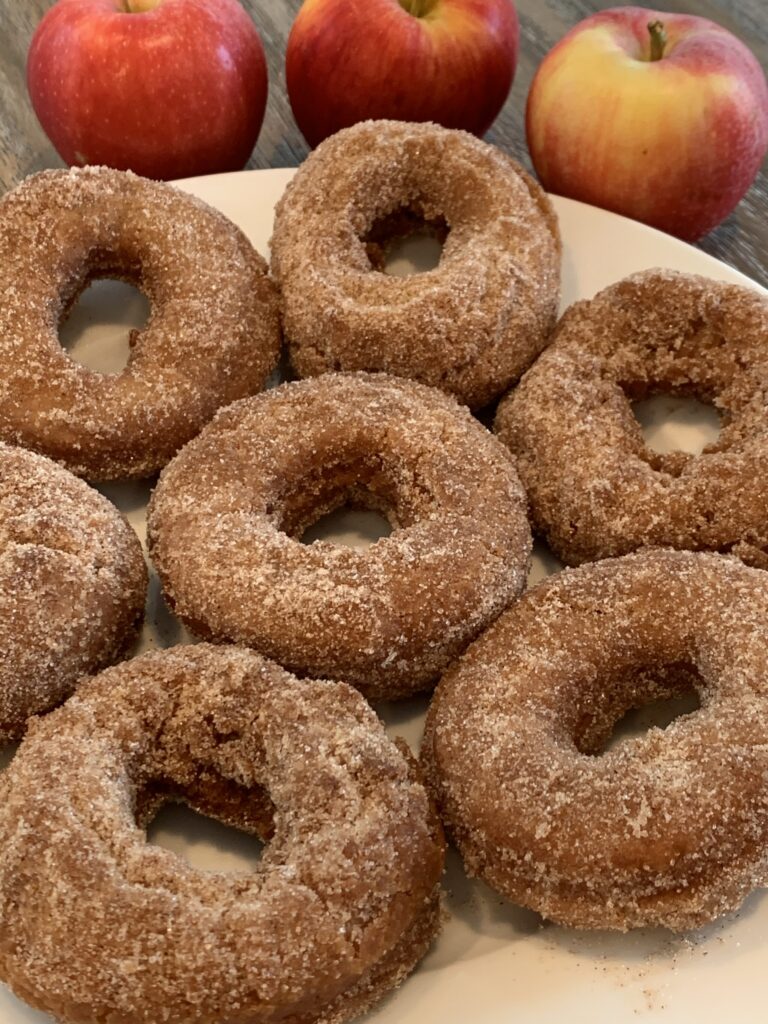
{"type": "Point", "coordinates": [224, 520]}
{"type": "Point", "coordinates": [595, 487]}
{"type": "Point", "coordinates": [212, 337]}
{"type": "Point", "coordinates": [72, 585]}
{"type": "Point", "coordinates": [471, 325]}
{"type": "Point", "coordinates": [97, 924]}
{"type": "Point", "coordinates": [668, 828]}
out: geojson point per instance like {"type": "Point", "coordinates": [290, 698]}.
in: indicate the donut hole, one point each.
{"type": "Point", "coordinates": [641, 699]}
{"type": "Point", "coordinates": [405, 241]}
{"type": "Point", "coordinates": [211, 822]}
{"type": "Point", "coordinates": [674, 421]}
{"type": "Point", "coordinates": [656, 714]}
{"type": "Point", "coordinates": [350, 526]}
{"type": "Point", "coordinates": [203, 842]}
{"type": "Point", "coordinates": [99, 325]}
{"type": "Point", "coordinates": [353, 503]}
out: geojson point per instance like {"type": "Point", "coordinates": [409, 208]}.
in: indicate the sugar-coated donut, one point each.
{"type": "Point", "coordinates": [667, 828]}
{"type": "Point", "coordinates": [596, 489]}
{"type": "Point", "coordinates": [471, 325]}
{"type": "Point", "coordinates": [212, 336]}
{"type": "Point", "coordinates": [98, 925]}
{"type": "Point", "coordinates": [72, 585]}
{"type": "Point", "coordinates": [224, 524]}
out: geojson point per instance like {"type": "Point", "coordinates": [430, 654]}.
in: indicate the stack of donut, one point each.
{"type": "Point", "coordinates": [264, 724]}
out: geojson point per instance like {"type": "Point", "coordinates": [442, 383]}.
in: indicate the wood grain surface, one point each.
{"type": "Point", "coordinates": [741, 241]}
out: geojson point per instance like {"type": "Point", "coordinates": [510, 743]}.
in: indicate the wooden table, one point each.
{"type": "Point", "coordinates": [742, 240]}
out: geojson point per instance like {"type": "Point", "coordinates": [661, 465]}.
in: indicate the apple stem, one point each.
{"type": "Point", "coordinates": [139, 6]}
{"type": "Point", "coordinates": [418, 8]}
{"type": "Point", "coordinates": [658, 39]}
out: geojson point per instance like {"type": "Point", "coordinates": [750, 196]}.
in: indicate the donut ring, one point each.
{"type": "Point", "coordinates": [224, 521]}
{"type": "Point", "coordinates": [212, 335]}
{"type": "Point", "coordinates": [669, 828]}
{"type": "Point", "coordinates": [343, 903]}
{"type": "Point", "coordinates": [594, 486]}
{"type": "Point", "coordinates": [72, 585]}
{"type": "Point", "coordinates": [471, 325]}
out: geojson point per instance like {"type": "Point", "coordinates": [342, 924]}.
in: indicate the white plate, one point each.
{"type": "Point", "coordinates": [493, 963]}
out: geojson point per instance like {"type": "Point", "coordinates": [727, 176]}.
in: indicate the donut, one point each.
{"type": "Point", "coordinates": [72, 585]}
{"type": "Point", "coordinates": [212, 335]}
{"type": "Point", "coordinates": [225, 520]}
{"type": "Point", "coordinates": [97, 925]}
{"type": "Point", "coordinates": [667, 828]}
{"type": "Point", "coordinates": [596, 489]}
{"type": "Point", "coordinates": [471, 325]}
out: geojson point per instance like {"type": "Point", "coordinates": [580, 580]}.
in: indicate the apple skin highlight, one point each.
{"type": "Point", "coordinates": [349, 62]}
{"type": "Point", "coordinates": [674, 143]}
{"type": "Point", "coordinates": [169, 92]}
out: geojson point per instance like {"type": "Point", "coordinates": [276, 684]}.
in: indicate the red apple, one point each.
{"type": "Point", "coordinates": [167, 88]}
{"type": "Point", "coordinates": [661, 117]}
{"type": "Point", "coordinates": [450, 61]}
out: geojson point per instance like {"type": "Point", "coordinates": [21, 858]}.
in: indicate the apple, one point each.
{"type": "Point", "coordinates": [449, 61]}
{"type": "Point", "coordinates": [661, 117]}
{"type": "Point", "coordinates": [166, 88]}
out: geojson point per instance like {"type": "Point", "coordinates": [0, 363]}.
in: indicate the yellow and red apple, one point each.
{"type": "Point", "coordinates": [449, 61]}
{"type": "Point", "coordinates": [167, 88]}
{"type": "Point", "coordinates": [661, 117]}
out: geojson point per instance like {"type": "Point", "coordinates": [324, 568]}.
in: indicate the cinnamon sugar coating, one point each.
{"type": "Point", "coordinates": [594, 486]}
{"type": "Point", "coordinates": [224, 523]}
{"type": "Point", "coordinates": [471, 325]}
{"type": "Point", "coordinates": [72, 585]}
{"type": "Point", "coordinates": [212, 336]}
{"type": "Point", "coordinates": [667, 828]}
{"type": "Point", "coordinates": [97, 925]}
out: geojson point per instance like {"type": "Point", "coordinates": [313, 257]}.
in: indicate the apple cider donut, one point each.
{"type": "Point", "coordinates": [72, 585]}
{"type": "Point", "coordinates": [212, 335]}
{"type": "Point", "coordinates": [341, 907]}
{"type": "Point", "coordinates": [225, 521]}
{"type": "Point", "coordinates": [667, 828]}
{"type": "Point", "coordinates": [596, 489]}
{"type": "Point", "coordinates": [471, 325]}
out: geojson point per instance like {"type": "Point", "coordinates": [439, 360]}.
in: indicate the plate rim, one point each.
{"type": "Point", "coordinates": [562, 204]}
